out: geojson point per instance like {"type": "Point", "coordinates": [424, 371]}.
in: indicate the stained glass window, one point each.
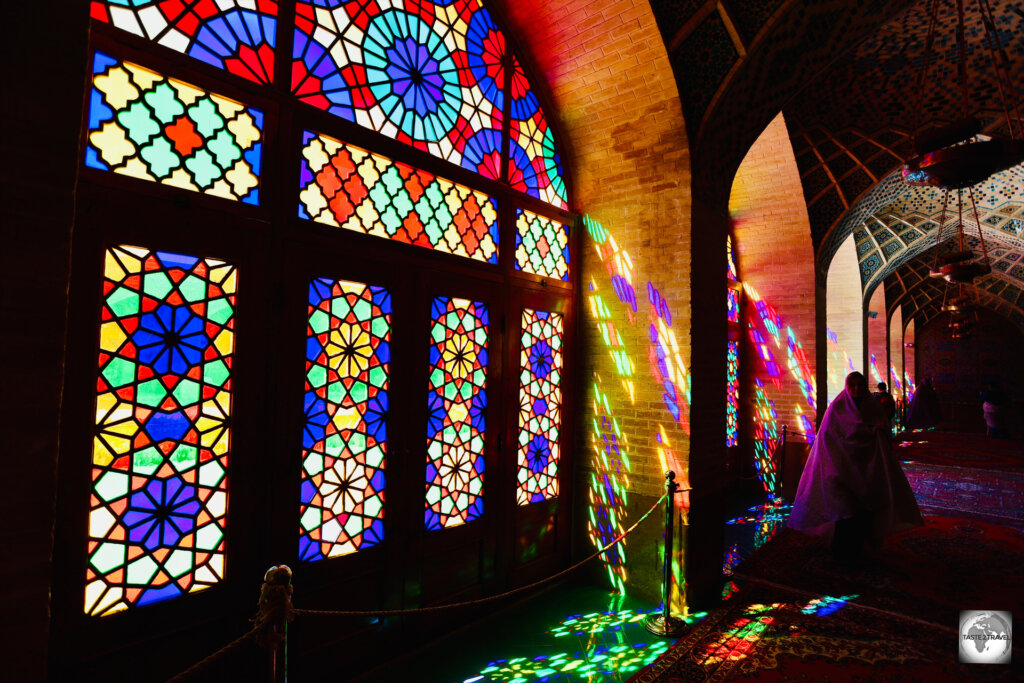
{"type": "Point", "coordinates": [234, 35]}
{"type": "Point", "coordinates": [426, 73]}
{"type": "Point", "coordinates": [733, 275]}
{"type": "Point", "coordinates": [534, 165]}
{"type": "Point", "coordinates": [733, 303]}
{"type": "Point", "coordinates": [346, 186]}
{"type": "Point", "coordinates": [540, 402]}
{"type": "Point", "coordinates": [346, 405]}
{"type": "Point", "coordinates": [733, 391]}
{"type": "Point", "coordinates": [163, 407]}
{"type": "Point", "coordinates": [456, 411]}
{"type": "Point", "coordinates": [148, 126]}
{"type": "Point", "coordinates": [542, 246]}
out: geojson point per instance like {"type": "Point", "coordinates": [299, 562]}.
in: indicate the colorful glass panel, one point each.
{"type": "Point", "coordinates": [540, 403]}
{"type": "Point", "coordinates": [733, 393]}
{"type": "Point", "coordinates": [428, 74]}
{"type": "Point", "coordinates": [348, 187]}
{"type": "Point", "coordinates": [163, 407]}
{"type": "Point", "coordinates": [456, 412]}
{"type": "Point", "coordinates": [234, 35]}
{"type": "Point", "coordinates": [542, 246]}
{"type": "Point", "coordinates": [733, 275]}
{"type": "Point", "coordinates": [148, 126]}
{"type": "Point", "coordinates": [534, 165]}
{"type": "Point", "coordinates": [344, 442]}
{"type": "Point", "coordinates": [733, 303]}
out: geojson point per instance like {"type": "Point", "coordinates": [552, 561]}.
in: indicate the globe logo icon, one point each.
{"type": "Point", "coordinates": [985, 637]}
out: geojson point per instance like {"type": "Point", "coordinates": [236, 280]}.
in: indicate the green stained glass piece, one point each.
{"type": "Point", "coordinates": [340, 307]}
{"type": "Point", "coordinates": [363, 309]}
{"type": "Point", "coordinates": [161, 157]}
{"type": "Point", "coordinates": [111, 486]}
{"type": "Point", "coordinates": [225, 149]}
{"type": "Point", "coordinates": [379, 327]}
{"type": "Point", "coordinates": [108, 557]}
{"type": "Point", "coordinates": [317, 376]}
{"type": "Point", "coordinates": [378, 377]}
{"type": "Point", "coordinates": [151, 393]}
{"type": "Point", "coordinates": [319, 321]}
{"type": "Point", "coordinates": [391, 220]}
{"type": "Point", "coordinates": [193, 289]}
{"type": "Point", "coordinates": [335, 392]}
{"type": "Point", "coordinates": [437, 333]}
{"type": "Point", "coordinates": [357, 444]}
{"type": "Point", "coordinates": [358, 392]}
{"type": "Point", "coordinates": [206, 117]}
{"type": "Point", "coordinates": [179, 563]}
{"type": "Point", "coordinates": [119, 372]}
{"type": "Point", "coordinates": [375, 457]}
{"type": "Point", "coordinates": [211, 473]}
{"type": "Point", "coordinates": [163, 100]}
{"type": "Point", "coordinates": [123, 302]}
{"type": "Point", "coordinates": [139, 123]}
{"type": "Point", "coordinates": [157, 285]}
{"type": "Point", "coordinates": [187, 392]}
{"type": "Point", "coordinates": [208, 538]}
{"type": "Point", "coordinates": [311, 518]}
{"type": "Point", "coordinates": [147, 461]}
{"type": "Point", "coordinates": [184, 457]}
{"type": "Point", "coordinates": [219, 310]}
{"type": "Point", "coordinates": [204, 171]}
{"type": "Point", "coordinates": [333, 445]}
{"type": "Point", "coordinates": [313, 464]}
{"type": "Point", "coordinates": [216, 373]}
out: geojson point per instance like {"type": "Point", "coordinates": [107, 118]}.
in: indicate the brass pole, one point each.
{"type": "Point", "coordinates": [665, 624]}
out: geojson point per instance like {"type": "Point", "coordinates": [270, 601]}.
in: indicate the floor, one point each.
{"type": "Point", "coordinates": [569, 632]}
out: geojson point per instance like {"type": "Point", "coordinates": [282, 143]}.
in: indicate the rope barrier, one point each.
{"type": "Point", "coordinates": [275, 606]}
{"type": "Point", "coordinates": [490, 598]}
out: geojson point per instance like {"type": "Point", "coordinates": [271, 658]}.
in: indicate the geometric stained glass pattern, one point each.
{"type": "Point", "coordinates": [346, 405]}
{"type": "Point", "coordinates": [540, 403]}
{"type": "Point", "coordinates": [534, 164]}
{"type": "Point", "coordinates": [733, 304]}
{"type": "Point", "coordinates": [148, 126]}
{"type": "Point", "coordinates": [234, 35]}
{"type": "Point", "coordinates": [163, 406]}
{"type": "Point", "coordinates": [542, 246]}
{"type": "Point", "coordinates": [733, 394]}
{"type": "Point", "coordinates": [456, 412]}
{"type": "Point", "coordinates": [346, 186]}
{"type": "Point", "coordinates": [428, 74]}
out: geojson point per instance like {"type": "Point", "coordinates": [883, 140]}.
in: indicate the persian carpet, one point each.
{"type": "Point", "coordinates": [985, 495]}
{"type": "Point", "coordinates": [765, 633]}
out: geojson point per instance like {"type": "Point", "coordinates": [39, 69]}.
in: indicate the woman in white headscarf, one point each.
{"type": "Point", "coordinates": [852, 479]}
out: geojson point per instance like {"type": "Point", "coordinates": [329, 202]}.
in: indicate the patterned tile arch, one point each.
{"type": "Point", "coordinates": [542, 245]}
{"type": "Point", "coordinates": [349, 187]}
{"type": "Point", "coordinates": [163, 408]}
{"type": "Point", "coordinates": [540, 403]}
{"type": "Point", "coordinates": [456, 412]}
{"type": "Point", "coordinates": [344, 445]}
{"type": "Point", "coordinates": [235, 35]}
{"type": "Point", "coordinates": [149, 126]}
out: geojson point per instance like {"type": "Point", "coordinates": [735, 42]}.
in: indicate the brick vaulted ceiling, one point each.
{"type": "Point", "coordinates": [844, 73]}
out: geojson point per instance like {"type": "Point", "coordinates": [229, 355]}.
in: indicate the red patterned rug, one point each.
{"type": "Point", "coordinates": [962, 450]}
{"type": "Point", "coordinates": [985, 495]}
{"type": "Point", "coordinates": [766, 634]}
{"type": "Point", "coordinates": [896, 619]}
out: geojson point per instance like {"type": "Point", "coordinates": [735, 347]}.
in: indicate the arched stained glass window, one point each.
{"type": "Point", "coordinates": [235, 35]}
{"type": "Point", "coordinates": [432, 75]}
{"type": "Point", "coordinates": [540, 404]}
{"type": "Point", "coordinates": [163, 409]}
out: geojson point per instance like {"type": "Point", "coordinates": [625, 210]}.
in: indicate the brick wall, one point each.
{"type": "Point", "coordinates": [776, 258]}
{"type": "Point", "coordinates": [845, 316]}
{"type": "Point", "coordinates": [878, 340]}
{"type": "Point", "coordinates": [896, 349]}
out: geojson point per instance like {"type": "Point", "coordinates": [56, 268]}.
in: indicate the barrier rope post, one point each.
{"type": "Point", "coordinates": [275, 611]}
{"type": "Point", "coordinates": [782, 462]}
{"type": "Point", "coordinates": [665, 624]}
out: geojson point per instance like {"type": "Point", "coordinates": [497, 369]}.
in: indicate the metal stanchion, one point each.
{"type": "Point", "coordinates": [782, 463]}
{"type": "Point", "coordinates": [272, 621]}
{"type": "Point", "coordinates": [665, 624]}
